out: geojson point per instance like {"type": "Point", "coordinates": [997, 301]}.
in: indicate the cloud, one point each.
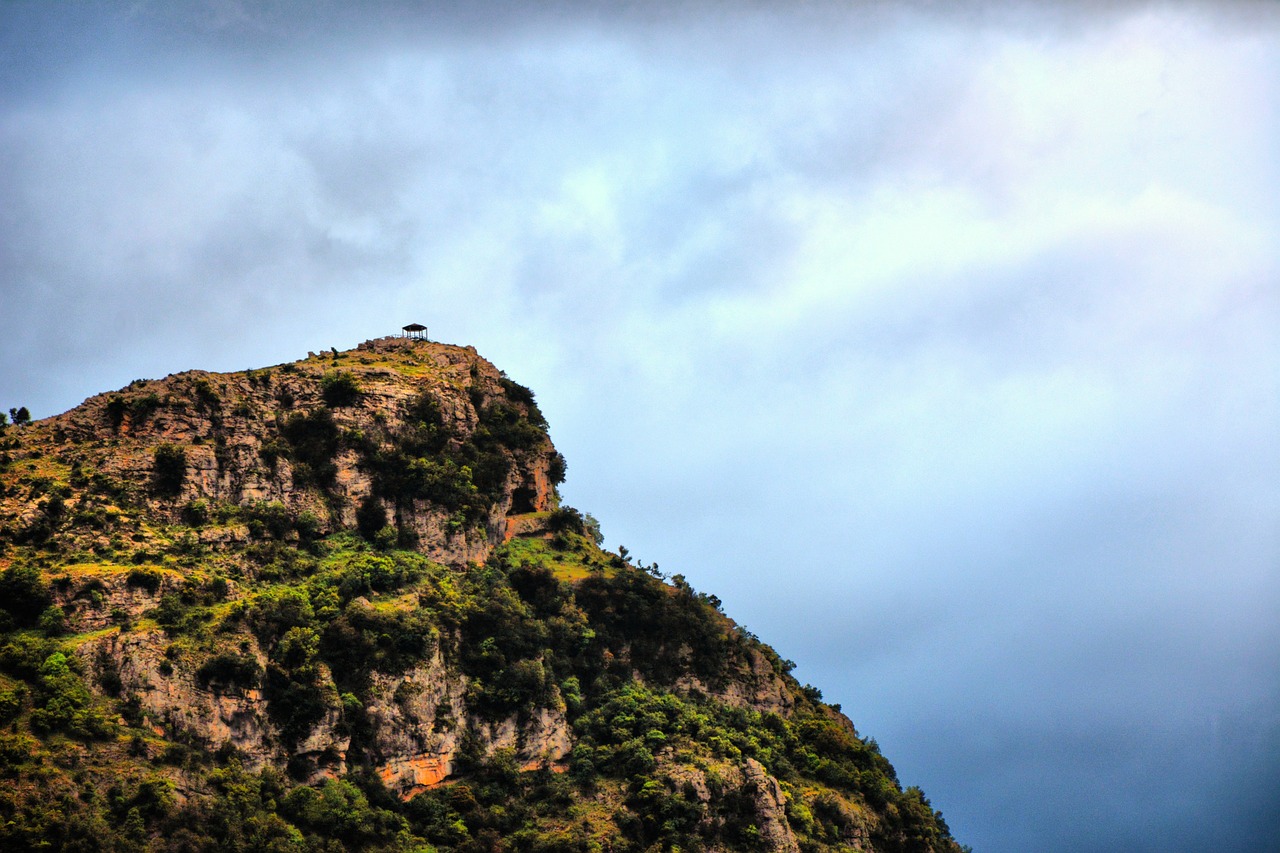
{"type": "Point", "coordinates": [939, 343]}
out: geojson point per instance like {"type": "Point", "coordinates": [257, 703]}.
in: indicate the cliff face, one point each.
{"type": "Point", "coordinates": [336, 602]}
{"type": "Point", "coordinates": [315, 437]}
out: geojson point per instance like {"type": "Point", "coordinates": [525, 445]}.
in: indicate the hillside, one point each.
{"type": "Point", "coordinates": [337, 605]}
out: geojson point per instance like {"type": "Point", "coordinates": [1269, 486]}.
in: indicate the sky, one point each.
{"type": "Point", "coordinates": [941, 341]}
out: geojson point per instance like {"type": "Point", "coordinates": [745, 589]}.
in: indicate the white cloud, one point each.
{"type": "Point", "coordinates": [927, 339]}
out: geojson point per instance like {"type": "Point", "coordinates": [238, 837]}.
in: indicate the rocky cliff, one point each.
{"type": "Point", "coordinates": [319, 439]}
{"type": "Point", "coordinates": [336, 604]}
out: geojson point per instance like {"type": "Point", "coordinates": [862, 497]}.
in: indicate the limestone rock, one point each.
{"type": "Point", "coordinates": [771, 806]}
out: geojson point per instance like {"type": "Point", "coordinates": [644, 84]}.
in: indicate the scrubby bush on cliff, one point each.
{"type": "Point", "coordinates": [503, 425]}
{"type": "Point", "coordinates": [557, 469]}
{"type": "Point", "coordinates": [169, 470]}
{"type": "Point", "coordinates": [197, 512]}
{"type": "Point", "coordinates": [363, 640]}
{"type": "Point", "coordinates": [23, 654]}
{"type": "Point", "coordinates": [293, 687]}
{"type": "Point", "coordinates": [65, 703]}
{"type": "Point", "coordinates": [445, 481]}
{"type": "Point", "coordinates": [53, 621]}
{"type": "Point", "coordinates": [371, 517]}
{"type": "Point", "coordinates": [23, 593]}
{"type": "Point", "coordinates": [267, 519]}
{"type": "Point", "coordinates": [230, 670]}
{"type": "Point", "coordinates": [206, 398]}
{"type": "Point", "coordinates": [146, 579]}
{"type": "Point", "coordinates": [138, 408]}
{"type": "Point", "coordinates": [314, 440]}
{"type": "Point", "coordinates": [11, 701]}
{"type": "Point", "coordinates": [339, 390]}
{"type": "Point", "coordinates": [340, 810]}
{"type": "Point", "coordinates": [424, 430]}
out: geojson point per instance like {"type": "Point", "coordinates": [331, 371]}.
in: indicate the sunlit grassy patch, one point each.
{"type": "Point", "coordinates": [104, 569]}
{"type": "Point", "coordinates": [75, 641]}
{"type": "Point", "coordinates": [576, 562]}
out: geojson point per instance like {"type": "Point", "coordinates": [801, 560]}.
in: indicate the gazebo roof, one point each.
{"type": "Point", "coordinates": [415, 327]}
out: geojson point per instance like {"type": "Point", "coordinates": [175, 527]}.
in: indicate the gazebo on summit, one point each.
{"type": "Point", "coordinates": [415, 331]}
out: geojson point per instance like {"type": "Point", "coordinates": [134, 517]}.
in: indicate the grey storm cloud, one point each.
{"type": "Point", "coordinates": [941, 341]}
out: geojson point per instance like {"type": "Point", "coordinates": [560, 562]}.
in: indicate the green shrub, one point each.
{"type": "Point", "coordinates": [11, 701]}
{"type": "Point", "coordinates": [66, 704]}
{"type": "Point", "coordinates": [339, 389]}
{"type": "Point", "coordinates": [144, 579]}
{"type": "Point", "coordinates": [169, 471]}
{"type": "Point", "coordinates": [53, 621]}
{"type": "Point", "coordinates": [24, 593]}
{"type": "Point", "coordinates": [363, 640]}
{"type": "Point", "coordinates": [557, 469]}
{"type": "Point", "coordinates": [206, 397]}
{"type": "Point", "coordinates": [371, 517]}
{"type": "Point", "coordinates": [108, 674]}
{"type": "Point", "coordinates": [23, 655]}
{"type": "Point", "coordinates": [424, 430]}
{"type": "Point", "coordinates": [308, 525]}
{"type": "Point", "coordinates": [270, 453]}
{"type": "Point", "coordinates": [520, 394]}
{"type": "Point", "coordinates": [503, 425]}
{"type": "Point", "coordinates": [566, 519]}
{"type": "Point", "coordinates": [314, 440]}
{"type": "Point", "coordinates": [171, 613]}
{"type": "Point", "coordinates": [267, 519]}
{"type": "Point", "coordinates": [197, 512]}
{"type": "Point", "coordinates": [138, 409]}
{"type": "Point", "coordinates": [116, 409]}
{"type": "Point", "coordinates": [229, 670]}
{"type": "Point", "coordinates": [275, 612]}
{"type": "Point", "coordinates": [295, 697]}
{"type": "Point", "coordinates": [340, 810]}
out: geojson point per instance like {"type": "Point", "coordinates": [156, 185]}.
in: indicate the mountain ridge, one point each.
{"type": "Point", "coordinates": [348, 584]}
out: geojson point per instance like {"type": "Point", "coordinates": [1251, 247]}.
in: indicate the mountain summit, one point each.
{"type": "Point", "coordinates": [337, 604]}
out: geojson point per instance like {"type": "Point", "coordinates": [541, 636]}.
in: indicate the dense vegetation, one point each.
{"type": "Point", "coordinates": [326, 621]}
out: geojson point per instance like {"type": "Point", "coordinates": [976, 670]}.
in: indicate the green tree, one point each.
{"type": "Point", "coordinates": [24, 593]}
{"type": "Point", "coordinates": [339, 389]}
{"type": "Point", "coordinates": [53, 620]}
{"type": "Point", "coordinates": [66, 702]}
{"type": "Point", "coordinates": [169, 470]}
{"type": "Point", "coordinates": [371, 517]}
{"type": "Point", "coordinates": [341, 810]}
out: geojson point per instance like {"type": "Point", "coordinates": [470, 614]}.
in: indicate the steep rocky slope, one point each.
{"type": "Point", "coordinates": [335, 604]}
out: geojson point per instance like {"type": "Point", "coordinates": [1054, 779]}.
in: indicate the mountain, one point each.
{"type": "Point", "coordinates": [337, 604]}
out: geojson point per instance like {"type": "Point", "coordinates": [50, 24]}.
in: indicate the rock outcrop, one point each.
{"type": "Point", "coordinates": [771, 806]}
{"type": "Point", "coordinates": [175, 706]}
{"type": "Point", "coordinates": [419, 720]}
{"type": "Point", "coordinates": [309, 437]}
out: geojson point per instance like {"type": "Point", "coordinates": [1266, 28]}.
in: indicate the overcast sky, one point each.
{"type": "Point", "coordinates": [941, 341]}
